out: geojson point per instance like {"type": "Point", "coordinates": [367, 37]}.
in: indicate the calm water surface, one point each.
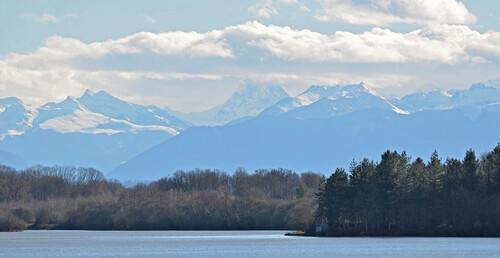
{"type": "Point", "coordinates": [232, 244]}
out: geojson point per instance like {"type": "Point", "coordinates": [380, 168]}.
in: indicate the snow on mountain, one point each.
{"type": "Point", "coordinates": [424, 101]}
{"type": "Point", "coordinates": [102, 113]}
{"type": "Point", "coordinates": [478, 96]}
{"type": "Point", "coordinates": [95, 130]}
{"type": "Point", "coordinates": [15, 117]}
{"type": "Point", "coordinates": [246, 101]}
{"type": "Point", "coordinates": [105, 104]}
{"type": "Point", "coordinates": [323, 101]}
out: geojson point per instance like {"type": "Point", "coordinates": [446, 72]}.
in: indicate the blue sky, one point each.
{"type": "Point", "coordinates": [191, 55]}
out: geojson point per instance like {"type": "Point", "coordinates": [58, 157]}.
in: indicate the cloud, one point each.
{"type": "Point", "coordinates": [385, 12]}
{"type": "Point", "coordinates": [54, 70]}
{"type": "Point", "coordinates": [478, 60]}
{"type": "Point", "coordinates": [38, 86]}
{"type": "Point", "coordinates": [448, 44]}
{"type": "Point", "coordinates": [45, 18]}
{"type": "Point", "coordinates": [149, 19]}
{"type": "Point", "coordinates": [60, 51]}
{"type": "Point", "coordinates": [264, 9]}
{"type": "Point", "coordinates": [209, 44]}
{"type": "Point", "coordinates": [267, 8]}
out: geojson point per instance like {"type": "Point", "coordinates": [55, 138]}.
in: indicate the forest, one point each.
{"type": "Point", "coordinates": [396, 196]}
{"type": "Point", "coordinates": [400, 197]}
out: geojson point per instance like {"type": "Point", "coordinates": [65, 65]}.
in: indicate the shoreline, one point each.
{"type": "Point", "coordinates": [288, 234]}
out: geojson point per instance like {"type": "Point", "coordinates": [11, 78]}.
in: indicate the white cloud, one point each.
{"type": "Point", "coordinates": [449, 44]}
{"type": "Point", "coordinates": [478, 60]}
{"type": "Point", "coordinates": [304, 8]}
{"type": "Point", "coordinates": [53, 71]}
{"type": "Point", "coordinates": [60, 51]}
{"type": "Point", "coordinates": [301, 5]}
{"type": "Point", "coordinates": [267, 8]}
{"type": "Point", "coordinates": [176, 43]}
{"type": "Point", "coordinates": [264, 9]}
{"type": "Point", "coordinates": [385, 12]}
{"type": "Point", "coordinates": [38, 86]}
{"type": "Point", "coordinates": [45, 18]}
{"type": "Point", "coordinates": [149, 19]}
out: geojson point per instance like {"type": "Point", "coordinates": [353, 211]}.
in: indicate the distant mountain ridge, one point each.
{"type": "Point", "coordinates": [479, 95]}
{"type": "Point", "coordinates": [102, 113]}
{"type": "Point", "coordinates": [12, 160]}
{"type": "Point", "coordinates": [318, 145]}
{"type": "Point", "coordinates": [246, 101]}
{"type": "Point", "coordinates": [322, 102]}
{"type": "Point", "coordinates": [96, 130]}
{"type": "Point", "coordinates": [326, 127]}
{"type": "Point", "coordinates": [101, 131]}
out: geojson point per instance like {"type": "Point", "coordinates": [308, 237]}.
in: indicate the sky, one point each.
{"type": "Point", "coordinates": [192, 55]}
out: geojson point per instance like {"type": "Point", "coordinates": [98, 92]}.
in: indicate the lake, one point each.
{"type": "Point", "coordinates": [232, 244]}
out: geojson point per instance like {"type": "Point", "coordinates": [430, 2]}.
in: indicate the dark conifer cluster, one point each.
{"type": "Point", "coordinates": [398, 197]}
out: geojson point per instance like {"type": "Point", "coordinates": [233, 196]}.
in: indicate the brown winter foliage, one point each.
{"type": "Point", "coordinates": [81, 198]}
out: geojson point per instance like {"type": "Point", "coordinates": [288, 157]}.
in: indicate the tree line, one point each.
{"type": "Point", "coordinates": [65, 197]}
{"type": "Point", "coordinates": [396, 196]}
{"type": "Point", "coordinates": [400, 197]}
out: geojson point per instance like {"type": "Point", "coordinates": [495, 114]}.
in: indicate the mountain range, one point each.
{"type": "Point", "coordinates": [322, 101]}
{"type": "Point", "coordinates": [326, 127]}
{"type": "Point", "coordinates": [478, 96]}
{"type": "Point", "coordinates": [95, 130]}
{"type": "Point", "coordinates": [257, 127]}
{"type": "Point", "coordinates": [101, 131]}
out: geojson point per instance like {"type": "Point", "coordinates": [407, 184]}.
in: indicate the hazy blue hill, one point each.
{"type": "Point", "coordinates": [315, 144]}
{"type": "Point", "coordinates": [12, 160]}
{"type": "Point", "coordinates": [100, 151]}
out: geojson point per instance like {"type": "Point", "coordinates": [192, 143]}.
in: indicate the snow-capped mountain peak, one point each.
{"type": "Point", "coordinates": [69, 103]}
{"type": "Point", "coordinates": [15, 117]}
{"type": "Point", "coordinates": [246, 101]}
{"type": "Point", "coordinates": [477, 96]}
{"type": "Point", "coordinates": [325, 101]}
{"type": "Point", "coordinates": [89, 93]}
{"type": "Point", "coordinates": [95, 130]}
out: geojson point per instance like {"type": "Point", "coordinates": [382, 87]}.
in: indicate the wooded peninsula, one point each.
{"type": "Point", "coordinates": [396, 196]}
